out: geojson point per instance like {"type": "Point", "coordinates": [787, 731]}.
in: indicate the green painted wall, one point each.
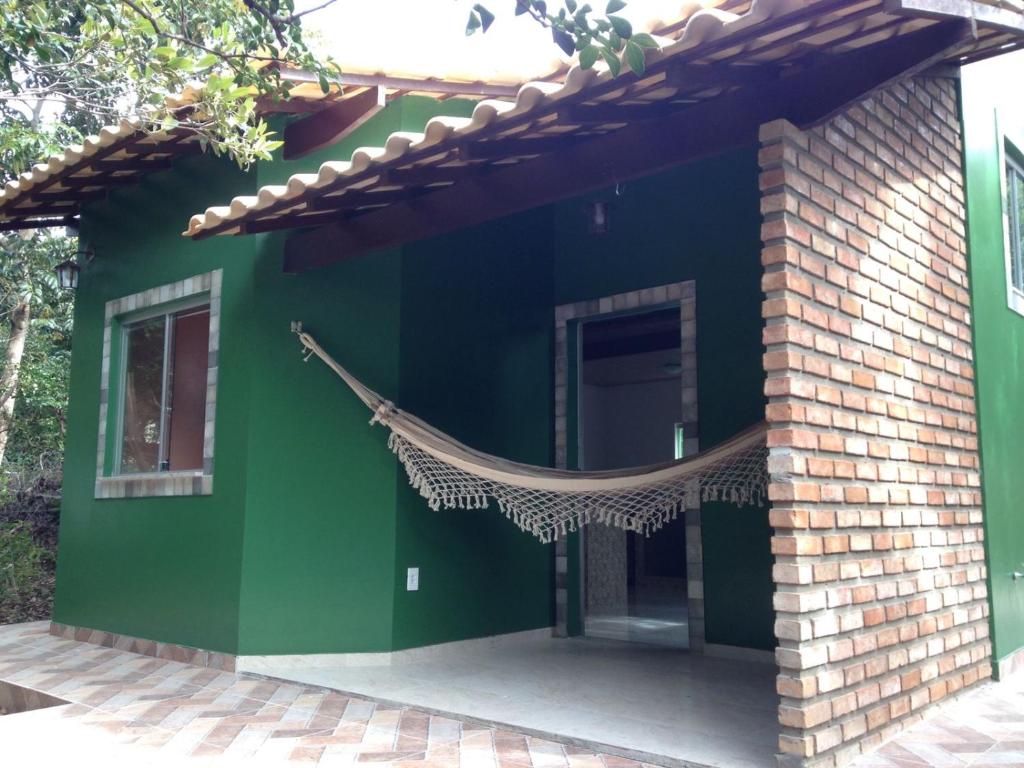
{"type": "Point", "coordinates": [699, 222]}
{"type": "Point", "coordinates": [476, 362]}
{"type": "Point", "coordinates": [319, 571]}
{"type": "Point", "coordinates": [168, 568]}
{"type": "Point", "coordinates": [993, 114]}
{"type": "Point", "coordinates": [304, 545]}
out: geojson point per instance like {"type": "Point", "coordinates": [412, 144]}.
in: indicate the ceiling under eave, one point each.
{"type": "Point", "coordinates": [708, 55]}
{"type": "Point", "coordinates": [713, 56]}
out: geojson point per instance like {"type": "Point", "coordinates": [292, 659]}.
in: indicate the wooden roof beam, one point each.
{"type": "Point", "coordinates": [611, 113]}
{"type": "Point", "coordinates": [724, 123]}
{"type": "Point", "coordinates": [100, 180]}
{"type": "Point", "coordinates": [982, 13]}
{"type": "Point", "coordinates": [14, 225]}
{"type": "Point", "coordinates": [292, 75]}
{"type": "Point", "coordinates": [421, 175]}
{"type": "Point", "coordinates": [692, 77]}
{"type": "Point", "coordinates": [348, 201]}
{"type": "Point", "coordinates": [177, 146]}
{"type": "Point", "coordinates": [51, 209]}
{"type": "Point", "coordinates": [501, 149]}
{"type": "Point", "coordinates": [134, 164]}
{"type": "Point", "coordinates": [72, 196]}
{"type": "Point", "coordinates": [794, 21]}
{"type": "Point", "coordinates": [333, 123]}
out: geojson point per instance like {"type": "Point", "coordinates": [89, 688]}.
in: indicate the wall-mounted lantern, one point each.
{"type": "Point", "coordinates": [67, 274]}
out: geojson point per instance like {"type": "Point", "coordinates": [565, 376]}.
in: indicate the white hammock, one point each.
{"type": "Point", "coordinates": [551, 502]}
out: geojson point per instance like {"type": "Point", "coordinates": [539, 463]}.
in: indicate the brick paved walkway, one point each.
{"type": "Point", "coordinates": [131, 710]}
{"type": "Point", "coordinates": [982, 729]}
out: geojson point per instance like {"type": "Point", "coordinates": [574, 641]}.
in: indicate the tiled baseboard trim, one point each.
{"type": "Point", "coordinates": [168, 651]}
{"type": "Point", "coordinates": [1010, 665]}
{"type": "Point", "coordinates": [272, 665]}
{"type": "Point", "coordinates": [738, 653]}
{"type": "Point", "coordinates": [261, 664]}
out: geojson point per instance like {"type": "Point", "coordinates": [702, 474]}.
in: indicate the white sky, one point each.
{"type": "Point", "coordinates": [427, 37]}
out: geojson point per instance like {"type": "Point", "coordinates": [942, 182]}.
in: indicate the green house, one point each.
{"type": "Point", "coordinates": [770, 225]}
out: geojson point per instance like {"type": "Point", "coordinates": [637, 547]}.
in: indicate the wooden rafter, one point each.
{"type": "Point", "coordinates": [333, 123]}
{"type": "Point", "coordinates": [980, 13]}
{"type": "Point", "coordinates": [356, 199]}
{"type": "Point", "coordinates": [408, 84]}
{"type": "Point", "coordinates": [58, 177]}
{"type": "Point", "coordinates": [16, 224]}
{"type": "Point", "coordinates": [99, 180]}
{"type": "Point", "coordinates": [134, 164]}
{"type": "Point", "coordinates": [612, 113]}
{"type": "Point", "coordinates": [714, 126]}
{"type": "Point", "coordinates": [423, 175]}
{"type": "Point", "coordinates": [497, 149]}
{"type": "Point", "coordinates": [792, 24]}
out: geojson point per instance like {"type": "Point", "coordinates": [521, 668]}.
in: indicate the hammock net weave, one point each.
{"type": "Point", "coordinates": [549, 503]}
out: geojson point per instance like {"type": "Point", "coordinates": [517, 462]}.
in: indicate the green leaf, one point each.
{"type": "Point", "coordinates": [473, 24]}
{"type": "Point", "coordinates": [614, 65]}
{"type": "Point", "coordinates": [614, 41]}
{"type": "Point", "coordinates": [486, 17]}
{"type": "Point", "coordinates": [621, 26]}
{"type": "Point", "coordinates": [571, 5]}
{"type": "Point", "coordinates": [563, 40]}
{"type": "Point", "coordinates": [614, 6]}
{"type": "Point", "coordinates": [165, 52]}
{"type": "Point", "coordinates": [644, 40]}
{"type": "Point", "coordinates": [635, 57]}
{"type": "Point", "coordinates": [522, 6]}
{"type": "Point", "coordinates": [589, 56]}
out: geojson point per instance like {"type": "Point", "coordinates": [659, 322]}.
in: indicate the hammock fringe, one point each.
{"type": "Point", "coordinates": [548, 503]}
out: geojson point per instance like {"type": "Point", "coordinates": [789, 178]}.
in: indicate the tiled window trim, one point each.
{"type": "Point", "coordinates": [685, 293]}
{"type": "Point", "coordinates": [188, 483]}
{"type": "Point", "coordinates": [1014, 297]}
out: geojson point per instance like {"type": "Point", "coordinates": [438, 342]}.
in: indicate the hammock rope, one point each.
{"type": "Point", "coordinates": [549, 503]}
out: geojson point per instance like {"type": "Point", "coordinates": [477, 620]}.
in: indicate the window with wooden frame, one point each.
{"type": "Point", "coordinates": [158, 391]}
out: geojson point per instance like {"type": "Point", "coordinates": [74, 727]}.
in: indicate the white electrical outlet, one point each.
{"type": "Point", "coordinates": [412, 580]}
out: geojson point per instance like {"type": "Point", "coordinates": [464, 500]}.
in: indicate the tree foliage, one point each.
{"type": "Point", "coordinates": [26, 275]}
{"type": "Point", "coordinates": [576, 28]}
{"type": "Point", "coordinates": [26, 575]}
{"type": "Point", "coordinates": [111, 59]}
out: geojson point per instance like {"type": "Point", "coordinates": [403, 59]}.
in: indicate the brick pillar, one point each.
{"type": "Point", "coordinates": [879, 563]}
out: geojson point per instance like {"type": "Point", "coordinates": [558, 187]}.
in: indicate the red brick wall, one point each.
{"type": "Point", "coordinates": [879, 562]}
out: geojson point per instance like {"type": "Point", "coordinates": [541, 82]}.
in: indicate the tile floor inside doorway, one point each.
{"type": "Point", "coordinates": [659, 701]}
{"type": "Point", "coordinates": [651, 616]}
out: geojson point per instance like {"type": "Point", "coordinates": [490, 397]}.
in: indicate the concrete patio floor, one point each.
{"type": "Point", "coordinates": [664, 705]}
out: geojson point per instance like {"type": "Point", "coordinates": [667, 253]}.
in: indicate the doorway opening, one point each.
{"type": "Point", "coordinates": [632, 380]}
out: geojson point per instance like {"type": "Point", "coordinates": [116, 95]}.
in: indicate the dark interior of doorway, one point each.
{"type": "Point", "coordinates": [630, 399]}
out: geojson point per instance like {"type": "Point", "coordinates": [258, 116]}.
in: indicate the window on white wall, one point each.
{"type": "Point", "coordinates": [1015, 221]}
{"type": "Point", "coordinates": [163, 403]}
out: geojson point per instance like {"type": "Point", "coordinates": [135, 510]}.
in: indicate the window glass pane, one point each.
{"type": "Point", "coordinates": [1017, 225]}
{"type": "Point", "coordinates": [189, 352]}
{"type": "Point", "coordinates": [680, 445]}
{"type": "Point", "coordinates": [143, 391]}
